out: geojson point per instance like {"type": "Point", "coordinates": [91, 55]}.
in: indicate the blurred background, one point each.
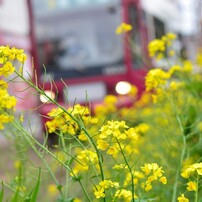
{"type": "Point", "coordinates": [76, 57]}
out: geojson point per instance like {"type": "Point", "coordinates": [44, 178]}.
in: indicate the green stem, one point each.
{"type": "Point", "coordinates": [177, 176]}
{"type": "Point", "coordinates": [73, 118]}
{"type": "Point", "coordinates": [67, 172]}
{"type": "Point", "coordinates": [183, 151]}
{"type": "Point", "coordinates": [131, 173]}
{"type": "Point", "coordinates": [31, 140]}
{"type": "Point", "coordinates": [196, 192]}
{"type": "Point", "coordinates": [98, 155]}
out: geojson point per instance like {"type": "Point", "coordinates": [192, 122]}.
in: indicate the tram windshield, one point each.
{"type": "Point", "coordinates": [78, 37]}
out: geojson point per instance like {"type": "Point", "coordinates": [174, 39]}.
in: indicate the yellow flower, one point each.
{"type": "Point", "coordinates": [102, 144]}
{"type": "Point", "coordinates": [163, 180]}
{"type": "Point", "coordinates": [194, 168]}
{"type": "Point", "coordinates": [5, 118]}
{"type": "Point", "coordinates": [148, 187]}
{"type": "Point", "coordinates": [156, 46]}
{"type": "Point", "coordinates": [108, 183]}
{"type": "Point", "coordinates": [76, 200]}
{"type": "Point", "coordinates": [82, 136]}
{"type": "Point", "coordinates": [112, 151]}
{"type": "Point", "coordinates": [182, 198]}
{"type": "Point", "coordinates": [52, 189]}
{"type": "Point", "coordinates": [199, 126]}
{"type": "Point", "coordinates": [3, 84]}
{"type": "Point", "coordinates": [99, 192]}
{"type": "Point", "coordinates": [7, 69]}
{"type": "Point", "coordinates": [120, 167]}
{"type": "Point", "coordinates": [171, 36]}
{"type": "Point", "coordinates": [22, 188]}
{"type": "Point", "coordinates": [171, 53]}
{"type": "Point", "coordinates": [17, 164]}
{"type": "Point", "coordinates": [125, 195]}
{"type": "Point", "coordinates": [124, 27]}
{"type": "Point", "coordinates": [199, 59]}
{"type": "Point", "coordinates": [156, 78]}
{"type": "Point", "coordinates": [110, 99]}
{"type": "Point", "coordinates": [191, 186]}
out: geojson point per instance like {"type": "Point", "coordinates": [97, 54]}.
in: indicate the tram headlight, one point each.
{"type": "Point", "coordinates": [123, 87]}
{"type": "Point", "coordinates": [49, 93]}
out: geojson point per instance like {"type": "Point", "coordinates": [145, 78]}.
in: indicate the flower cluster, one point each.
{"type": "Point", "coordinates": [155, 81]}
{"type": "Point", "coordinates": [115, 135]}
{"type": "Point", "coordinates": [99, 190]}
{"type": "Point", "coordinates": [6, 102]}
{"type": "Point", "coordinates": [158, 47]}
{"type": "Point", "coordinates": [153, 173]}
{"type": "Point", "coordinates": [108, 106]}
{"type": "Point", "coordinates": [7, 57]}
{"type": "Point", "coordinates": [124, 27]}
{"type": "Point", "coordinates": [182, 198]}
{"type": "Point", "coordinates": [192, 169]}
{"type": "Point", "coordinates": [62, 121]}
{"type": "Point", "coordinates": [156, 78]}
{"type": "Point", "coordinates": [86, 159]}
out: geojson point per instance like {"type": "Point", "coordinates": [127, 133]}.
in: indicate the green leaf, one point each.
{"type": "Point", "coordinates": [16, 196]}
{"type": "Point", "coordinates": [2, 193]}
{"type": "Point", "coordinates": [32, 196]}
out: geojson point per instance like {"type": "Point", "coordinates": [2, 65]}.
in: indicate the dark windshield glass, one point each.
{"type": "Point", "coordinates": [136, 43]}
{"type": "Point", "coordinates": [78, 41]}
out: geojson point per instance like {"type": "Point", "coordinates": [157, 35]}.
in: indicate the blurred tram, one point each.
{"type": "Point", "coordinates": [74, 49]}
{"type": "Point", "coordinates": [76, 41]}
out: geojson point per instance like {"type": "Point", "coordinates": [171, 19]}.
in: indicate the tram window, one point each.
{"type": "Point", "coordinates": [159, 28]}
{"type": "Point", "coordinates": [16, 21]}
{"type": "Point", "coordinates": [135, 36]}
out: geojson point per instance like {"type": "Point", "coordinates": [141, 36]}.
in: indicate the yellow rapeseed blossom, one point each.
{"type": "Point", "coordinates": [7, 58]}
{"type": "Point", "coordinates": [156, 78]}
{"type": "Point", "coordinates": [192, 186]}
{"type": "Point", "coordinates": [153, 173]}
{"type": "Point", "coordinates": [62, 121]}
{"type": "Point", "coordinates": [99, 192]}
{"type": "Point", "coordinates": [163, 180]}
{"type": "Point", "coordinates": [85, 159]}
{"type": "Point", "coordinates": [5, 118]}
{"type": "Point", "coordinates": [17, 164]}
{"type": "Point", "coordinates": [125, 195]}
{"type": "Point", "coordinates": [22, 188]}
{"type": "Point", "coordinates": [199, 126]}
{"type": "Point", "coordinates": [182, 198]}
{"type": "Point", "coordinates": [157, 48]}
{"type": "Point", "coordinates": [199, 58]}
{"type": "Point", "coordinates": [76, 200]}
{"type": "Point", "coordinates": [102, 144]}
{"type": "Point", "coordinates": [195, 168]}
{"type": "Point", "coordinates": [102, 186]}
{"type": "Point", "coordinates": [108, 183]}
{"type": "Point", "coordinates": [123, 27]}
{"type": "Point", "coordinates": [113, 128]}
{"type": "Point", "coordinates": [52, 189]}
{"type": "Point", "coordinates": [186, 66]}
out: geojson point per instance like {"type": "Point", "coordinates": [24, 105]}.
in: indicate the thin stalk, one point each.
{"type": "Point", "coordinates": [73, 118]}
{"type": "Point", "coordinates": [67, 172]}
{"type": "Point", "coordinates": [98, 155]}
{"type": "Point", "coordinates": [196, 192]}
{"type": "Point", "coordinates": [183, 151]}
{"type": "Point", "coordinates": [31, 140]}
{"type": "Point", "coordinates": [177, 176]}
{"type": "Point", "coordinates": [129, 168]}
